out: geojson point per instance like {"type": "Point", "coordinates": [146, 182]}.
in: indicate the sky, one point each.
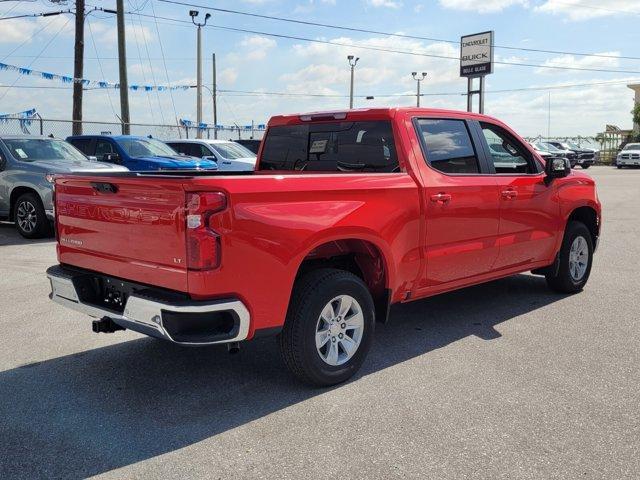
{"type": "Point", "coordinates": [315, 75]}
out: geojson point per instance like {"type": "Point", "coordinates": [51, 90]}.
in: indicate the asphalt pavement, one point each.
{"type": "Point", "coordinates": [502, 380]}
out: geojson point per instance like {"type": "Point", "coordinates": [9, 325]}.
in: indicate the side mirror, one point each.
{"type": "Point", "coordinates": [211, 157]}
{"type": "Point", "coordinates": [92, 158]}
{"type": "Point", "coordinates": [111, 158]}
{"type": "Point", "coordinates": [557, 167]}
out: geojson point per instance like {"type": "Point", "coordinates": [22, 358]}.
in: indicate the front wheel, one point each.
{"type": "Point", "coordinates": [329, 327]}
{"type": "Point", "coordinates": [30, 217]}
{"type": "Point", "coordinates": [585, 166]}
{"type": "Point", "coordinates": [576, 256]}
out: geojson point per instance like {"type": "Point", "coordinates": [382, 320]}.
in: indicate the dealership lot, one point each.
{"type": "Point", "coordinates": [500, 380]}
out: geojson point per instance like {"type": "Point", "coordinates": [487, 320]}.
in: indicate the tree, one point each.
{"type": "Point", "coordinates": [636, 120]}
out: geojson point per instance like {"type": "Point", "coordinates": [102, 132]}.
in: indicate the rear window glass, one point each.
{"type": "Point", "coordinates": [448, 145]}
{"type": "Point", "coordinates": [331, 147]}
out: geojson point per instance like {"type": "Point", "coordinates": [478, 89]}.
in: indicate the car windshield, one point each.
{"type": "Point", "coordinates": [550, 148]}
{"type": "Point", "coordinates": [232, 150]}
{"type": "Point", "coordinates": [145, 147]}
{"type": "Point", "coordinates": [632, 146]}
{"type": "Point", "coordinates": [540, 148]}
{"type": "Point", "coordinates": [32, 149]}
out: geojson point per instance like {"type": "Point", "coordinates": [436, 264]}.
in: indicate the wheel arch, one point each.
{"type": "Point", "coordinates": [589, 217]}
{"type": "Point", "coordinates": [16, 193]}
{"type": "Point", "coordinates": [362, 257]}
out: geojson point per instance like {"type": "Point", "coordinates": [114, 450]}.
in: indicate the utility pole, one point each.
{"type": "Point", "coordinates": [353, 61]}
{"type": "Point", "coordinates": [193, 14]}
{"type": "Point", "coordinates": [122, 64]}
{"type": "Point", "coordinates": [78, 67]}
{"type": "Point", "coordinates": [418, 80]}
{"type": "Point", "coordinates": [215, 99]}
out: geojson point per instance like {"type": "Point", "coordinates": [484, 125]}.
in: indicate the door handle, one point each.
{"type": "Point", "coordinates": [509, 194]}
{"type": "Point", "coordinates": [441, 198]}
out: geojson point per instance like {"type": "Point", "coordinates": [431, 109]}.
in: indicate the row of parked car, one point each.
{"type": "Point", "coordinates": [577, 156]}
{"type": "Point", "coordinates": [28, 165]}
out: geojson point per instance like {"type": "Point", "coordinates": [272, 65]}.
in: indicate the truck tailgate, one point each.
{"type": "Point", "coordinates": [126, 226]}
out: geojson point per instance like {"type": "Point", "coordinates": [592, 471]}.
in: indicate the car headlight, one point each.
{"type": "Point", "coordinates": [50, 177]}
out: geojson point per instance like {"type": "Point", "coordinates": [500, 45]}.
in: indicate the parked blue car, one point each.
{"type": "Point", "coordinates": [137, 153]}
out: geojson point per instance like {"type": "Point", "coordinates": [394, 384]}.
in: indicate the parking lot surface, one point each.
{"type": "Point", "coordinates": [502, 380]}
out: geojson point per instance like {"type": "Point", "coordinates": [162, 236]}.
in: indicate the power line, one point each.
{"type": "Point", "coordinates": [379, 32]}
{"type": "Point", "coordinates": [164, 62]}
{"type": "Point", "coordinates": [95, 48]}
{"type": "Point", "coordinates": [389, 50]}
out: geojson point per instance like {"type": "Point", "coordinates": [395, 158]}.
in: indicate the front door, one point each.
{"type": "Point", "coordinates": [529, 209]}
{"type": "Point", "coordinates": [462, 207]}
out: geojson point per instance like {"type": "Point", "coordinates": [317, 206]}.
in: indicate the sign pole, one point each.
{"type": "Point", "coordinates": [481, 94]}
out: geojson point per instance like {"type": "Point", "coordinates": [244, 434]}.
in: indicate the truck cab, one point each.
{"type": "Point", "coordinates": [137, 153]}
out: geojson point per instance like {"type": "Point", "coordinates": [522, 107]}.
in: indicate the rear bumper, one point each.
{"type": "Point", "coordinates": [151, 311]}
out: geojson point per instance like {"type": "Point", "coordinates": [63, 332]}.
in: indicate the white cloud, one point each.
{"type": "Point", "coordinates": [256, 47]}
{"type": "Point", "coordinates": [606, 62]}
{"type": "Point", "coordinates": [227, 77]}
{"type": "Point", "coordinates": [482, 6]}
{"type": "Point", "coordinates": [384, 3]}
{"type": "Point", "coordinates": [577, 10]}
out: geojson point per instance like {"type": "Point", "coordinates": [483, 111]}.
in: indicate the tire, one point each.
{"type": "Point", "coordinates": [584, 167]}
{"type": "Point", "coordinates": [619, 167]}
{"type": "Point", "coordinates": [320, 293]}
{"type": "Point", "coordinates": [30, 217]}
{"type": "Point", "coordinates": [573, 274]}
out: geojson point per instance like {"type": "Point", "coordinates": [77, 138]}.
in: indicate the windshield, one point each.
{"type": "Point", "coordinates": [31, 149]}
{"type": "Point", "coordinates": [232, 150]}
{"type": "Point", "coordinates": [550, 148]}
{"type": "Point", "coordinates": [145, 147]}
{"type": "Point", "coordinates": [632, 146]}
{"type": "Point", "coordinates": [573, 145]}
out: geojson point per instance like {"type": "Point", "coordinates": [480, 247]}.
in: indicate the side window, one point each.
{"type": "Point", "coordinates": [508, 155]}
{"type": "Point", "coordinates": [201, 151]}
{"type": "Point", "coordinates": [331, 147]}
{"type": "Point", "coordinates": [82, 144]}
{"type": "Point", "coordinates": [102, 148]}
{"type": "Point", "coordinates": [448, 145]}
{"type": "Point", "coordinates": [179, 147]}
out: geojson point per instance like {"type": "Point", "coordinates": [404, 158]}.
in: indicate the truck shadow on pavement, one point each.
{"type": "Point", "coordinates": [98, 410]}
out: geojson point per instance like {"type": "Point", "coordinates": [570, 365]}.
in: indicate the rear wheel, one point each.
{"type": "Point", "coordinates": [329, 327]}
{"type": "Point", "coordinates": [30, 218]}
{"type": "Point", "coordinates": [576, 255]}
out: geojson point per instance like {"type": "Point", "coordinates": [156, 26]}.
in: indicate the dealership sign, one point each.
{"type": "Point", "coordinates": [476, 55]}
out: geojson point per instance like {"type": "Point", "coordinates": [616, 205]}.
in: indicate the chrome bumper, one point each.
{"type": "Point", "coordinates": [146, 315]}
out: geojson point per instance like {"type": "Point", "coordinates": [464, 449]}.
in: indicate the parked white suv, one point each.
{"type": "Point", "coordinates": [629, 156]}
{"type": "Point", "coordinates": [230, 156]}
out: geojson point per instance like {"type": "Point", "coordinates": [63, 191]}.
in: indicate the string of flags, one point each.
{"type": "Point", "coordinates": [88, 83]}
{"type": "Point", "coordinates": [203, 126]}
{"type": "Point", "coordinates": [25, 118]}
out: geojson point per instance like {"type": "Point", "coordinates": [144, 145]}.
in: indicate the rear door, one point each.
{"type": "Point", "coordinates": [462, 209]}
{"type": "Point", "coordinates": [124, 226]}
{"type": "Point", "coordinates": [529, 210]}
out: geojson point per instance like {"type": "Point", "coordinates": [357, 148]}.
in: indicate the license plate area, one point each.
{"type": "Point", "coordinates": [103, 292]}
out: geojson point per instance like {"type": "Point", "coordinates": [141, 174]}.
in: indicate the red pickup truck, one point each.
{"type": "Point", "coordinates": [346, 214]}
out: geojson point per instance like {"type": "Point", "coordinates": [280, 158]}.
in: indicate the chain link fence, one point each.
{"type": "Point", "coordinates": [64, 128]}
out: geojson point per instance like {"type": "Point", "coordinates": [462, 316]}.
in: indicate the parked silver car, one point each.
{"type": "Point", "coordinates": [27, 168]}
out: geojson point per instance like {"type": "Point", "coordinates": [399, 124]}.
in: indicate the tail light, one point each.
{"type": "Point", "coordinates": [203, 243]}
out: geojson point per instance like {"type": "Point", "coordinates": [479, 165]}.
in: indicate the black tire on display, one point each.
{"type": "Point", "coordinates": [30, 217]}
{"type": "Point", "coordinates": [576, 257]}
{"type": "Point", "coordinates": [329, 327]}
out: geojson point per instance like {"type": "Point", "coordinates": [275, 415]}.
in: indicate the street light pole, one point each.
{"type": "Point", "coordinates": [418, 80]}
{"type": "Point", "coordinates": [193, 14]}
{"type": "Point", "coordinates": [353, 61]}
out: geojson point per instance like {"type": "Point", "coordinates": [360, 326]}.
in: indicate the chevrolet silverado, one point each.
{"type": "Point", "coordinates": [346, 214]}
